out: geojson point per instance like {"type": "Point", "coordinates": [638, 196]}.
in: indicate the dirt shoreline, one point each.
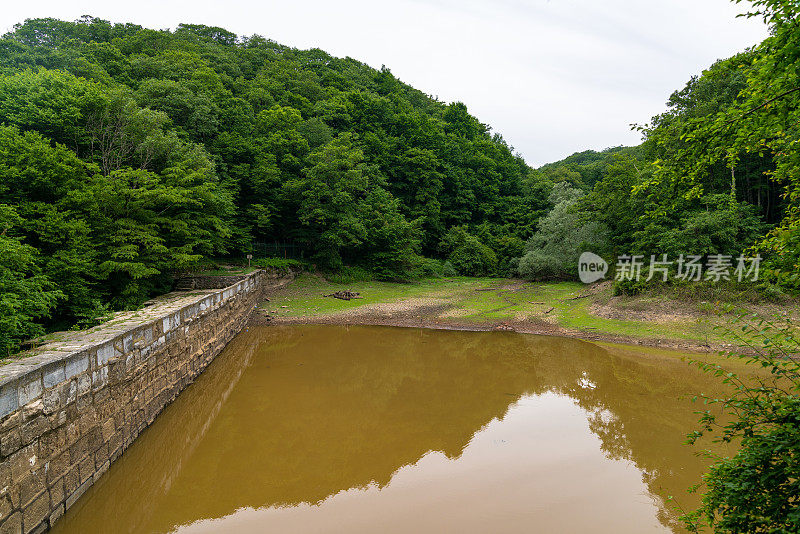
{"type": "Point", "coordinates": [368, 318]}
{"type": "Point", "coordinates": [590, 313]}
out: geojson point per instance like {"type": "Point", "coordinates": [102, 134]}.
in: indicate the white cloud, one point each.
{"type": "Point", "coordinates": [552, 76]}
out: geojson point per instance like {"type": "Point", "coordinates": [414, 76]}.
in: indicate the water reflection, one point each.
{"type": "Point", "coordinates": [336, 429]}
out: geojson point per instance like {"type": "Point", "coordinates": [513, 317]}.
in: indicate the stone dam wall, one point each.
{"type": "Point", "coordinates": [70, 408]}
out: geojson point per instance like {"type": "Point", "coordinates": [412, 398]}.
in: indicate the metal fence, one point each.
{"type": "Point", "coordinates": [278, 249]}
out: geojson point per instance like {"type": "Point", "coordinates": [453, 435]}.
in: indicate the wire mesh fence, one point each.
{"type": "Point", "coordinates": [278, 249]}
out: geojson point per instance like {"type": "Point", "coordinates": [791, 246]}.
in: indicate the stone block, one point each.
{"type": "Point", "coordinates": [86, 469]}
{"type": "Point", "coordinates": [101, 469]}
{"type": "Point", "coordinates": [100, 378]}
{"type": "Point", "coordinates": [6, 507]}
{"type": "Point", "coordinates": [105, 353]}
{"type": "Point", "coordinates": [54, 376]}
{"type": "Point", "coordinates": [36, 512]}
{"type": "Point", "coordinates": [30, 391]}
{"type": "Point", "coordinates": [57, 493]}
{"type": "Point", "coordinates": [78, 492]}
{"type": "Point", "coordinates": [56, 514]}
{"type": "Point", "coordinates": [58, 467]}
{"type": "Point", "coordinates": [31, 486]}
{"type": "Point", "coordinates": [34, 429]}
{"type": "Point", "coordinates": [12, 525]}
{"type": "Point", "coordinates": [71, 481]}
{"type": "Point", "coordinates": [127, 342]}
{"type": "Point", "coordinates": [108, 429]}
{"type": "Point", "coordinates": [78, 450]}
{"type": "Point", "coordinates": [11, 422]}
{"type": "Point", "coordinates": [76, 365]}
{"type": "Point", "coordinates": [23, 462]}
{"type": "Point", "coordinates": [10, 441]}
{"type": "Point", "coordinates": [52, 400]}
{"type": "Point", "coordinates": [53, 443]}
{"type": "Point", "coordinates": [84, 384]}
{"type": "Point", "coordinates": [9, 399]}
{"type": "Point", "coordinates": [32, 410]}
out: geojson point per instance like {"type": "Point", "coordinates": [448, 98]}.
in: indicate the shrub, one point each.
{"type": "Point", "coordinates": [279, 263]}
{"type": "Point", "coordinates": [467, 255]}
{"type": "Point", "coordinates": [630, 287]}
{"type": "Point", "coordinates": [757, 489]}
{"type": "Point", "coordinates": [561, 237]}
{"type": "Point", "coordinates": [473, 258]}
{"type": "Point", "coordinates": [429, 267]}
{"type": "Point", "coordinates": [537, 265]}
{"type": "Point", "coordinates": [772, 292]}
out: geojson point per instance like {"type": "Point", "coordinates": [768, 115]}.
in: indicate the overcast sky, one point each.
{"type": "Point", "coordinates": [552, 76]}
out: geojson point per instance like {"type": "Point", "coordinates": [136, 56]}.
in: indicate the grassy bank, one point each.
{"type": "Point", "coordinates": [560, 308]}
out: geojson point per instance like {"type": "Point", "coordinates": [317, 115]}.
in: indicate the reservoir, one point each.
{"type": "Point", "coordinates": [323, 429]}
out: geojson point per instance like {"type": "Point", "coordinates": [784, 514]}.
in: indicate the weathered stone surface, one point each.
{"type": "Point", "coordinates": [22, 462]}
{"type": "Point", "coordinates": [77, 364]}
{"type": "Point", "coordinates": [30, 390]}
{"type": "Point", "coordinates": [10, 441]}
{"type": "Point", "coordinates": [36, 512]}
{"type": "Point", "coordinates": [9, 401]}
{"type": "Point", "coordinates": [34, 428]}
{"type": "Point", "coordinates": [56, 494]}
{"type": "Point", "coordinates": [12, 525]}
{"type": "Point", "coordinates": [71, 481]}
{"type": "Point", "coordinates": [54, 376]}
{"type": "Point", "coordinates": [57, 513]}
{"type": "Point", "coordinates": [6, 507]}
{"type": "Point", "coordinates": [78, 492]}
{"type": "Point", "coordinates": [69, 411]}
{"type": "Point", "coordinates": [31, 486]}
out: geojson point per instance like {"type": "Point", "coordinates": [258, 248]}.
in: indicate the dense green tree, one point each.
{"type": "Point", "coordinates": [613, 203]}
{"type": "Point", "coordinates": [26, 295]}
{"type": "Point", "coordinates": [344, 209]}
{"type": "Point", "coordinates": [466, 254]}
{"type": "Point", "coordinates": [129, 153]}
{"type": "Point", "coordinates": [553, 251]}
{"type": "Point", "coordinates": [733, 130]}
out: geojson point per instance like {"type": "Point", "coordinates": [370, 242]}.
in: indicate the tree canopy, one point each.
{"type": "Point", "coordinates": [127, 154]}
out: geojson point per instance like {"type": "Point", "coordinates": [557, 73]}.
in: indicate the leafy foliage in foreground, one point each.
{"type": "Point", "coordinates": [758, 489]}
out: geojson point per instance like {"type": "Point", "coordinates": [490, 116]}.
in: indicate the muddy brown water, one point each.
{"type": "Point", "coordinates": [317, 429]}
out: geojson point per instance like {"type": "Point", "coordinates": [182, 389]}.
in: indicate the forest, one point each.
{"type": "Point", "coordinates": [129, 154]}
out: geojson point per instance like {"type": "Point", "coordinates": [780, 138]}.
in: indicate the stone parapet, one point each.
{"type": "Point", "coordinates": [71, 407]}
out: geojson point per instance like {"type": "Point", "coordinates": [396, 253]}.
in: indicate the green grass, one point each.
{"type": "Point", "coordinates": [579, 317]}
{"type": "Point", "coordinates": [507, 301]}
{"type": "Point", "coordinates": [307, 293]}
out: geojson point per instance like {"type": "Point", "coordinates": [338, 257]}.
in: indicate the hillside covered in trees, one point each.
{"type": "Point", "coordinates": [127, 154]}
